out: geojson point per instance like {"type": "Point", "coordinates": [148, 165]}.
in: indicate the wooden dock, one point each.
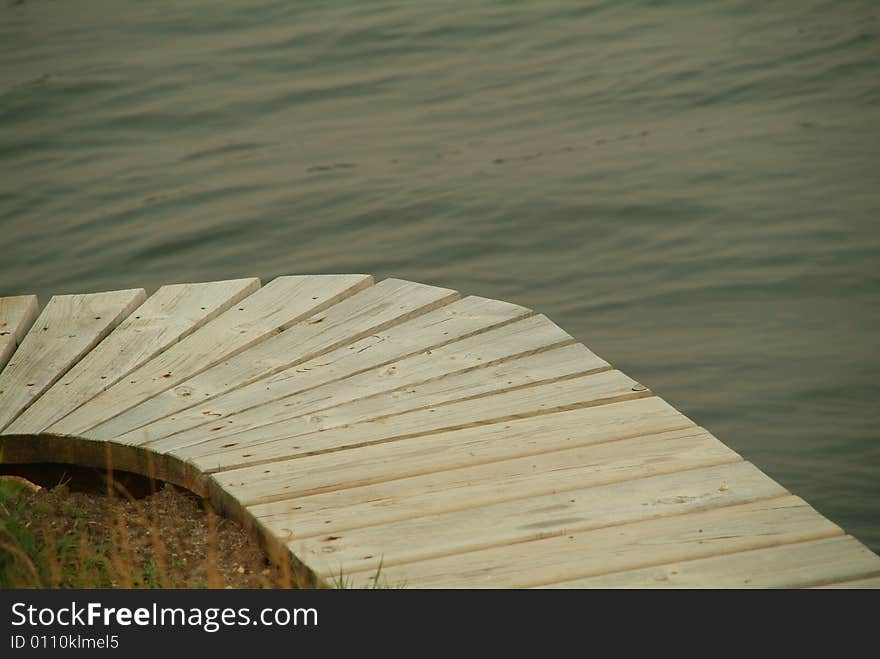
{"type": "Point", "coordinates": [454, 441]}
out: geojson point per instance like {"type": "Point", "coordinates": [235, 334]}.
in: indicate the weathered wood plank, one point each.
{"type": "Point", "coordinates": [67, 329]}
{"type": "Point", "coordinates": [596, 389]}
{"type": "Point", "coordinates": [450, 323]}
{"type": "Point", "coordinates": [753, 525]}
{"type": "Point", "coordinates": [796, 565]}
{"type": "Point", "coordinates": [515, 522]}
{"type": "Point", "coordinates": [169, 315]}
{"type": "Point", "coordinates": [486, 484]}
{"type": "Point", "coordinates": [322, 409]}
{"type": "Point", "coordinates": [372, 310]}
{"type": "Point", "coordinates": [513, 340]}
{"type": "Point", "coordinates": [17, 314]}
{"type": "Point", "coordinates": [455, 443]}
{"type": "Point", "coordinates": [477, 445]}
{"type": "Point", "coordinates": [870, 582]}
{"type": "Point", "coordinates": [275, 307]}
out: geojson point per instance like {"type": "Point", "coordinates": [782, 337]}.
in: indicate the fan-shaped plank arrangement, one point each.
{"type": "Point", "coordinates": [452, 441]}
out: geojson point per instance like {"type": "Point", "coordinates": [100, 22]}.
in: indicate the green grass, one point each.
{"type": "Point", "coordinates": [31, 556]}
{"type": "Point", "coordinates": [376, 582]}
{"type": "Point", "coordinates": [60, 545]}
{"type": "Point", "coordinates": [19, 550]}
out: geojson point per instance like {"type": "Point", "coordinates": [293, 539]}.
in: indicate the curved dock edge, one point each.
{"type": "Point", "coordinates": [112, 456]}
{"type": "Point", "coordinates": [452, 442]}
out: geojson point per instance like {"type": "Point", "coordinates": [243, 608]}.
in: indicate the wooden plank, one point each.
{"type": "Point", "coordinates": [520, 521]}
{"type": "Point", "coordinates": [367, 398]}
{"type": "Point", "coordinates": [753, 525]}
{"type": "Point", "coordinates": [870, 582]}
{"type": "Point", "coordinates": [17, 314]}
{"type": "Point", "coordinates": [261, 407]}
{"type": "Point", "coordinates": [272, 309]}
{"type": "Point", "coordinates": [796, 565]}
{"type": "Point", "coordinates": [485, 484]}
{"type": "Point", "coordinates": [68, 328]}
{"type": "Point", "coordinates": [596, 389]}
{"type": "Point", "coordinates": [375, 309]}
{"type": "Point", "coordinates": [373, 426]}
{"type": "Point", "coordinates": [478, 445]}
{"type": "Point", "coordinates": [453, 322]}
{"type": "Point", "coordinates": [169, 315]}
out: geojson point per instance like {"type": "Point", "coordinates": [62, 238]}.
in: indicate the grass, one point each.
{"type": "Point", "coordinates": [33, 554]}
{"type": "Point", "coordinates": [58, 539]}
{"type": "Point", "coordinates": [377, 581]}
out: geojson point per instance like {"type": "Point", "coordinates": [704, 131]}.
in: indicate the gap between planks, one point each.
{"type": "Point", "coordinates": [367, 312]}
{"type": "Point", "coordinates": [766, 522]}
{"type": "Point", "coordinates": [381, 402]}
{"type": "Point", "coordinates": [336, 439]}
{"type": "Point", "coordinates": [559, 514]}
{"type": "Point", "coordinates": [430, 477]}
{"type": "Point", "coordinates": [804, 564]}
{"type": "Point", "coordinates": [172, 313]}
{"type": "Point", "coordinates": [372, 384]}
{"type": "Point", "coordinates": [475, 486]}
{"type": "Point", "coordinates": [257, 318]}
{"type": "Point", "coordinates": [486, 444]}
{"type": "Point", "coordinates": [67, 329]}
{"type": "Point", "coordinates": [477, 313]}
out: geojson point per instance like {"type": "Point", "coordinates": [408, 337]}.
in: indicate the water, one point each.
{"type": "Point", "coordinates": [691, 188]}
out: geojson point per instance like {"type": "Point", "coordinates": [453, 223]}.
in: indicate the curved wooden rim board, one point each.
{"type": "Point", "coordinates": [454, 441]}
